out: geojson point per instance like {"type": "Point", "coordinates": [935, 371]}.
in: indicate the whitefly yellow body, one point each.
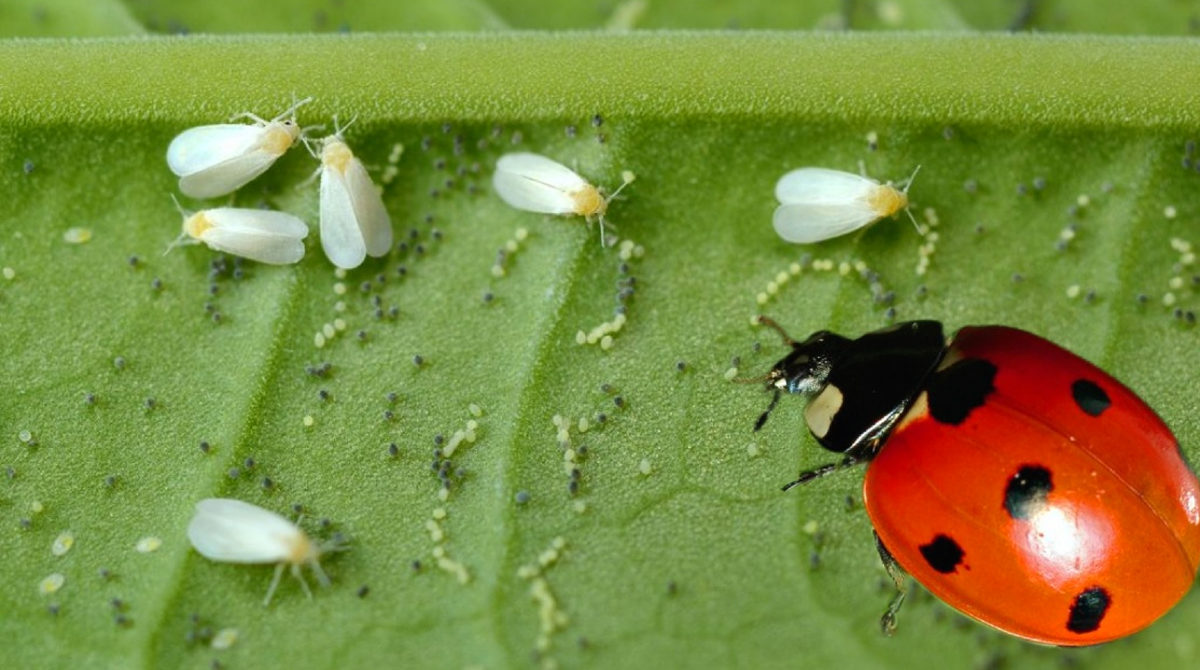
{"type": "Point", "coordinates": [216, 160]}
{"type": "Point", "coordinates": [261, 235]}
{"type": "Point", "coordinates": [354, 222]}
{"type": "Point", "coordinates": [818, 204]}
{"type": "Point", "coordinates": [232, 531]}
{"type": "Point", "coordinates": [533, 183]}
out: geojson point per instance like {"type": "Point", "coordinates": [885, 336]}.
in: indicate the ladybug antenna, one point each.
{"type": "Point", "coordinates": [769, 377]}
{"type": "Point", "coordinates": [770, 323]}
{"type": "Point", "coordinates": [763, 418]}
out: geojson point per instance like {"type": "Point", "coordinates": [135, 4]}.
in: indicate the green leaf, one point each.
{"type": "Point", "coordinates": [701, 562]}
{"type": "Point", "coordinates": [67, 18]}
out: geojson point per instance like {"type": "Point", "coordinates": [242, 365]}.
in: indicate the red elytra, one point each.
{"type": "Point", "coordinates": [1017, 482]}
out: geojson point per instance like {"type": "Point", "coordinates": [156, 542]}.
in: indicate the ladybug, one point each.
{"type": "Point", "coordinates": [1020, 484]}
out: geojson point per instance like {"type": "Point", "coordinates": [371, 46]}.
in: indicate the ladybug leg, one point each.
{"type": "Point", "coordinates": [827, 469]}
{"type": "Point", "coordinates": [888, 621]}
{"type": "Point", "coordinates": [763, 418]}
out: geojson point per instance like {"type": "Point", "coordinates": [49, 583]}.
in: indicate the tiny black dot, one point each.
{"type": "Point", "coordinates": [1088, 610]}
{"type": "Point", "coordinates": [943, 554]}
{"type": "Point", "coordinates": [1027, 491]}
{"type": "Point", "coordinates": [1090, 397]}
{"type": "Point", "coordinates": [959, 389]}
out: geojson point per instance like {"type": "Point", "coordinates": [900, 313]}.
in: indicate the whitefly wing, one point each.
{"type": "Point", "coordinates": [227, 177]}
{"type": "Point", "coordinates": [204, 147]}
{"type": "Point", "coordinates": [341, 237]}
{"type": "Point", "coordinates": [809, 223]}
{"type": "Point", "coordinates": [822, 186]}
{"type": "Point", "coordinates": [261, 235]}
{"type": "Point", "coordinates": [233, 531]}
{"type": "Point", "coordinates": [258, 221]}
{"type": "Point", "coordinates": [374, 223]}
{"type": "Point", "coordinates": [534, 183]}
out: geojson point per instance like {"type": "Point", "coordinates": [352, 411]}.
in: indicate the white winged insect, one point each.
{"type": "Point", "coordinates": [261, 235]}
{"type": "Point", "coordinates": [533, 183]}
{"type": "Point", "coordinates": [216, 160]}
{"type": "Point", "coordinates": [354, 222]}
{"type": "Point", "coordinates": [231, 531]}
{"type": "Point", "coordinates": [817, 204]}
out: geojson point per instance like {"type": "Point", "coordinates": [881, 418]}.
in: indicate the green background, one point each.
{"type": "Point", "coordinates": [701, 563]}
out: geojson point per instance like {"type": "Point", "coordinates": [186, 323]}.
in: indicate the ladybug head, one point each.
{"type": "Point", "coordinates": [805, 369]}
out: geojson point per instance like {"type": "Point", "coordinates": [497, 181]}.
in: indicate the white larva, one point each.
{"type": "Point", "coordinates": [232, 531]}
{"type": "Point", "coordinates": [216, 160]}
{"type": "Point", "coordinates": [818, 204]}
{"type": "Point", "coordinates": [533, 183]}
{"type": "Point", "coordinates": [261, 235]}
{"type": "Point", "coordinates": [354, 222]}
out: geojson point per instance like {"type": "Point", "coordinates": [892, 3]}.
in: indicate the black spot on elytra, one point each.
{"type": "Point", "coordinates": [1088, 610]}
{"type": "Point", "coordinates": [943, 554]}
{"type": "Point", "coordinates": [1026, 491]}
{"type": "Point", "coordinates": [959, 389]}
{"type": "Point", "coordinates": [1091, 398]}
